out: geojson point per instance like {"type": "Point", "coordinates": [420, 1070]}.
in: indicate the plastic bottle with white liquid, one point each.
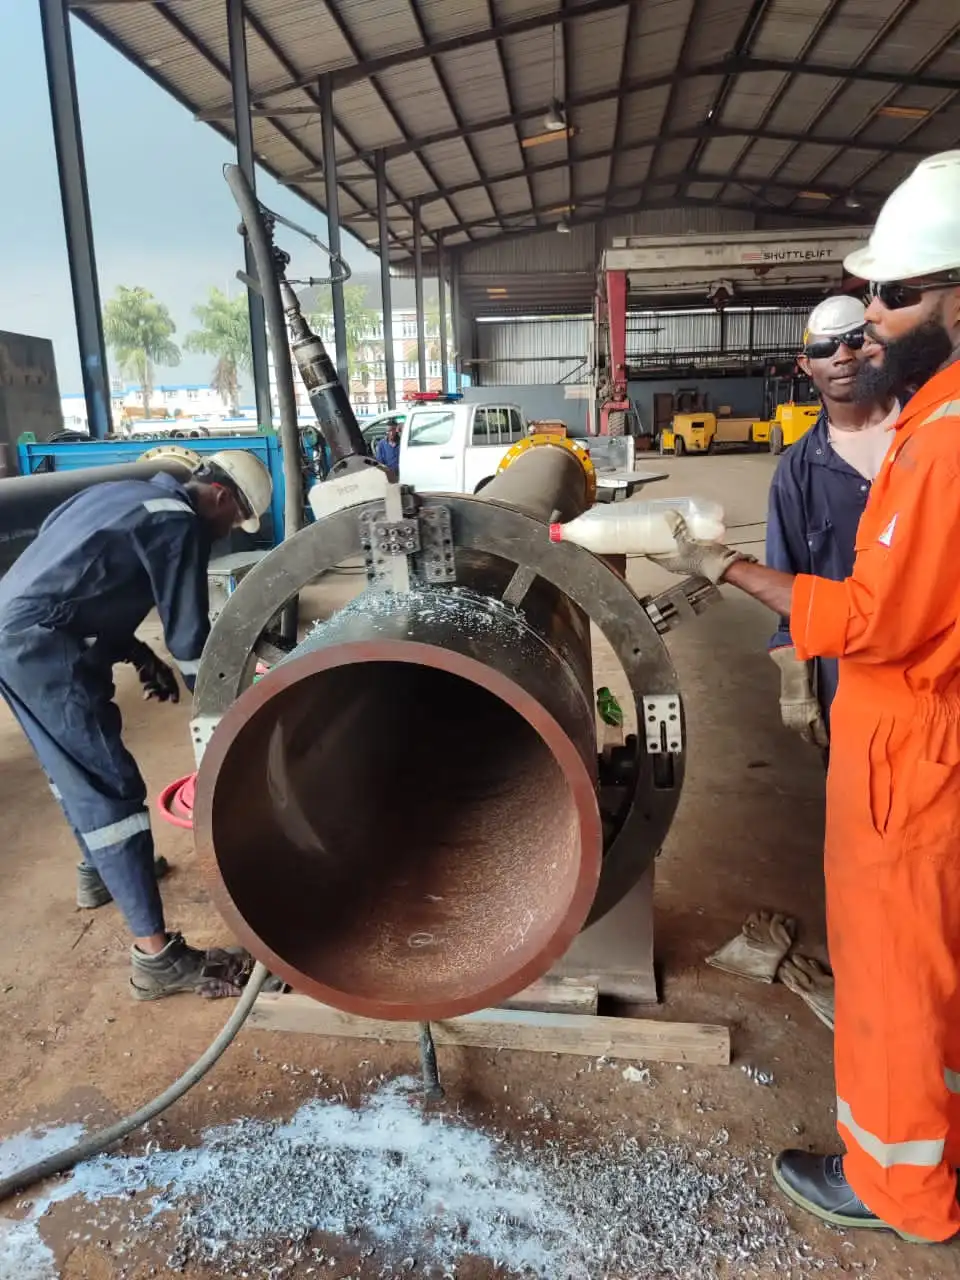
{"type": "Point", "coordinates": [641, 528]}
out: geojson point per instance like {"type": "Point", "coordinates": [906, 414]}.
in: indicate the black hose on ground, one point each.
{"type": "Point", "coordinates": [61, 1161]}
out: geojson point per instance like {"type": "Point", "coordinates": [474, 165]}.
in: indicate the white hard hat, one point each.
{"type": "Point", "coordinates": [251, 478]}
{"type": "Point", "coordinates": [834, 317]}
{"type": "Point", "coordinates": [918, 229]}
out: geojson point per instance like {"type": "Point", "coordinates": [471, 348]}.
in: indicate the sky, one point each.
{"type": "Point", "coordinates": [163, 216]}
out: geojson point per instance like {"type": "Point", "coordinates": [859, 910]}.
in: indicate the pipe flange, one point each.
{"type": "Point", "coordinates": [542, 440]}
{"type": "Point", "coordinates": [173, 453]}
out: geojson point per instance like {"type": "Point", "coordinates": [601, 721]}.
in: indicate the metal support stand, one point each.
{"type": "Point", "coordinates": [418, 287]}
{"type": "Point", "coordinates": [332, 198]}
{"type": "Point", "coordinates": [386, 294]}
{"type": "Point", "coordinates": [442, 307]}
{"type": "Point", "coordinates": [72, 172]}
{"type": "Point", "coordinates": [243, 129]}
{"type": "Point", "coordinates": [617, 952]}
{"type": "Point", "coordinates": [432, 1088]}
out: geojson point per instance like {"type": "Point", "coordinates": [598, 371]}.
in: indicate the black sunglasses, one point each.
{"type": "Point", "coordinates": [243, 506]}
{"type": "Point", "coordinates": [825, 348]}
{"type": "Point", "coordinates": [895, 295]}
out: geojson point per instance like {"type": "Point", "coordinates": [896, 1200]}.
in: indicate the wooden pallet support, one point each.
{"type": "Point", "coordinates": [636, 1039]}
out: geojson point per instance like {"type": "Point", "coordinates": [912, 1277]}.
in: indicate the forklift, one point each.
{"type": "Point", "coordinates": [791, 408]}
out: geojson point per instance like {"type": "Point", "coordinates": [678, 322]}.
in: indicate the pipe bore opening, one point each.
{"type": "Point", "coordinates": [399, 835]}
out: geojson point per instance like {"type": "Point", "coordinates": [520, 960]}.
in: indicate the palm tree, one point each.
{"type": "Point", "coordinates": [364, 329]}
{"type": "Point", "coordinates": [139, 330]}
{"type": "Point", "coordinates": [224, 333]}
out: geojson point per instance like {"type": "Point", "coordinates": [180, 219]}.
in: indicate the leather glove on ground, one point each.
{"type": "Point", "coordinates": [693, 559]}
{"type": "Point", "coordinates": [799, 709]}
{"type": "Point", "coordinates": [157, 679]}
{"type": "Point", "coordinates": [759, 947]}
{"type": "Point", "coordinates": [807, 978]}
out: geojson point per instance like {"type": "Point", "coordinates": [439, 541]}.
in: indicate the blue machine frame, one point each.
{"type": "Point", "coordinates": [35, 456]}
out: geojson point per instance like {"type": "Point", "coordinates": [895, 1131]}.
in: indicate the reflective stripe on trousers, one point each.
{"type": "Point", "coordinates": [116, 832]}
{"type": "Point", "coordinates": [923, 1152]}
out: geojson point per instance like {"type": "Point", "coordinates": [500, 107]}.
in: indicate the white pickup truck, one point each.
{"type": "Point", "coordinates": [457, 447]}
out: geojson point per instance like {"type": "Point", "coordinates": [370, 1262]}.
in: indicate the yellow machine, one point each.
{"type": "Point", "coordinates": [790, 422]}
{"type": "Point", "coordinates": [703, 432]}
{"type": "Point", "coordinates": [793, 408]}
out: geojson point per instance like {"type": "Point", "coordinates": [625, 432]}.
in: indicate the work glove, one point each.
{"type": "Point", "coordinates": [693, 559]}
{"type": "Point", "coordinates": [799, 709]}
{"type": "Point", "coordinates": [157, 679]}
{"type": "Point", "coordinates": [758, 949]}
{"type": "Point", "coordinates": [807, 978]}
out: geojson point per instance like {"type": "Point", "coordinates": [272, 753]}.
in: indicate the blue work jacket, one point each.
{"type": "Point", "coordinates": [387, 454]}
{"type": "Point", "coordinates": [816, 501]}
{"type": "Point", "coordinates": [102, 560]}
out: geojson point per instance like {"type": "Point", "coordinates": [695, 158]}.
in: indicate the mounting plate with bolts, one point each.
{"type": "Point", "coordinates": [662, 725]}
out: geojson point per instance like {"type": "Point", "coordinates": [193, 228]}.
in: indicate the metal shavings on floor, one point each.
{"type": "Point", "coordinates": [408, 1190]}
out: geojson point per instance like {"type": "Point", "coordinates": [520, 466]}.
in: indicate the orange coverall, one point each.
{"type": "Point", "coordinates": [892, 856]}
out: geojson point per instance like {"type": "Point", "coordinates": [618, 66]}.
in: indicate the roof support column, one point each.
{"type": "Point", "coordinates": [456, 321]}
{"type": "Point", "coordinates": [332, 198]}
{"type": "Point", "coordinates": [243, 130]}
{"type": "Point", "coordinates": [418, 288]}
{"type": "Point", "coordinates": [77, 224]}
{"type": "Point", "coordinates": [750, 335]}
{"type": "Point", "coordinates": [386, 292]}
{"type": "Point", "coordinates": [442, 307]}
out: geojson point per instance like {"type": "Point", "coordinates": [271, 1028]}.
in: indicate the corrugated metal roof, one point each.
{"type": "Point", "coordinates": [747, 105]}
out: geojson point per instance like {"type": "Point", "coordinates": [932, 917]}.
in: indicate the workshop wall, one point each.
{"type": "Point", "coordinates": [570, 403]}
{"type": "Point", "coordinates": [743, 395]}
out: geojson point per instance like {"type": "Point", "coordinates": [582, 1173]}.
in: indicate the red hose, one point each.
{"type": "Point", "coordinates": [175, 802]}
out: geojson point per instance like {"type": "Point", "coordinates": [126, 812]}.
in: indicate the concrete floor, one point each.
{"type": "Point", "coordinates": [748, 834]}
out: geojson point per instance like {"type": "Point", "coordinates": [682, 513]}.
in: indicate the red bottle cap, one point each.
{"type": "Point", "coordinates": [556, 533]}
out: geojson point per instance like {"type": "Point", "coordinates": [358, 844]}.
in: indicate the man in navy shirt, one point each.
{"type": "Point", "coordinates": [819, 492]}
{"type": "Point", "coordinates": [69, 607]}
{"type": "Point", "coordinates": [388, 449]}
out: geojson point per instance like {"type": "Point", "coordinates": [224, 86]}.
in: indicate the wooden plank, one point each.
{"type": "Point", "coordinates": [639, 1039]}
{"type": "Point", "coordinates": [556, 995]}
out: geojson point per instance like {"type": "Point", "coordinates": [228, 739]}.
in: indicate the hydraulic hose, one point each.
{"type": "Point", "coordinates": [61, 1161]}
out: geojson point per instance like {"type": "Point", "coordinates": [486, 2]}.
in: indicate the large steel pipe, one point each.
{"type": "Point", "coordinates": [26, 501]}
{"type": "Point", "coordinates": [550, 482]}
{"type": "Point", "coordinates": [403, 817]}
{"type": "Point", "coordinates": [418, 834]}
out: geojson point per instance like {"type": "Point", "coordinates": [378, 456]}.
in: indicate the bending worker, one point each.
{"type": "Point", "coordinates": [893, 787]}
{"type": "Point", "coordinates": [69, 607]}
{"type": "Point", "coordinates": [819, 492]}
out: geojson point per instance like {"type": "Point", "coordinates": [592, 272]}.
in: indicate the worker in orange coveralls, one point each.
{"type": "Point", "coordinates": [893, 792]}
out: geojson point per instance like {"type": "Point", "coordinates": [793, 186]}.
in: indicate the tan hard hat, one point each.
{"type": "Point", "coordinates": [252, 480]}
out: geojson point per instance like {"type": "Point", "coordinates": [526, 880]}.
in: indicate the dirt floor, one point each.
{"type": "Point", "coordinates": [748, 834]}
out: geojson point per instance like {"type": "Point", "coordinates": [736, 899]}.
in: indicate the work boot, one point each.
{"type": "Point", "coordinates": [214, 973]}
{"type": "Point", "coordinates": [93, 893]}
{"type": "Point", "coordinates": [817, 1184]}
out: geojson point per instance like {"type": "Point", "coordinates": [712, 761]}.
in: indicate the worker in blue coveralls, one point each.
{"type": "Point", "coordinates": [819, 491]}
{"type": "Point", "coordinates": [387, 452]}
{"type": "Point", "coordinates": [69, 607]}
